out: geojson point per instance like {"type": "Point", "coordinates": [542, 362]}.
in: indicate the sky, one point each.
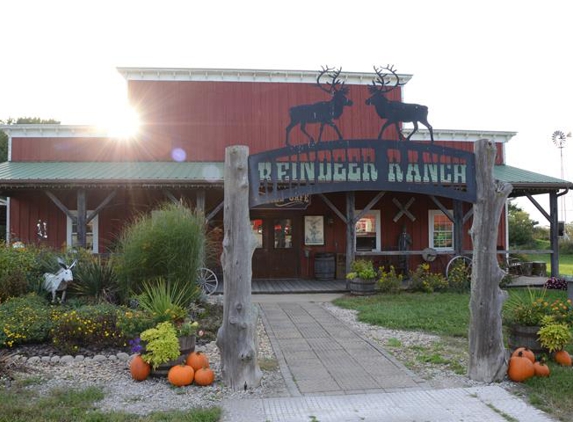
{"type": "Point", "coordinates": [486, 65]}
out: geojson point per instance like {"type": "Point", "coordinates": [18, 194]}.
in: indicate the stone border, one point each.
{"type": "Point", "coordinates": [121, 357]}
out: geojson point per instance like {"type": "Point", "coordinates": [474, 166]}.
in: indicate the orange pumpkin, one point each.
{"type": "Point", "coordinates": [180, 375]}
{"type": "Point", "coordinates": [541, 369]}
{"type": "Point", "coordinates": [562, 358]}
{"type": "Point", "coordinates": [204, 376]}
{"type": "Point", "coordinates": [525, 353]}
{"type": "Point", "coordinates": [520, 368]}
{"type": "Point", "coordinates": [139, 369]}
{"type": "Point", "coordinates": [197, 360]}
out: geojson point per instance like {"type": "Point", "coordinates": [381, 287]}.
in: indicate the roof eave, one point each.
{"type": "Point", "coordinates": [240, 75]}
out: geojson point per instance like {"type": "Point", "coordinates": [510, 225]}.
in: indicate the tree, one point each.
{"type": "Point", "coordinates": [19, 121]}
{"type": "Point", "coordinates": [521, 226]}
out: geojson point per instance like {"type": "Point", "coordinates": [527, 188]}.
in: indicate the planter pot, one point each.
{"type": "Point", "coordinates": [186, 346]}
{"type": "Point", "coordinates": [362, 287]}
{"type": "Point", "coordinates": [525, 336]}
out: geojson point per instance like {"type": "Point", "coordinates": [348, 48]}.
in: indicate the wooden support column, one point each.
{"type": "Point", "coordinates": [81, 219]}
{"type": "Point", "coordinates": [350, 230]}
{"type": "Point", "coordinates": [237, 336]}
{"type": "Point", "coordinates": [201, 200]}
{"type": "Point", "coordinates": [458, 226]}
{"type": "Point", "coordinates": [554, 233]}
{"type": "Point", "coordinates": [487, 354]}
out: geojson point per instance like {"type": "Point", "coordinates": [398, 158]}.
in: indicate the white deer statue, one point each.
{"type": "Point", "coordinates": [59, 282]}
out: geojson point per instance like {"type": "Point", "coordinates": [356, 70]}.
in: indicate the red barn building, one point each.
{"type": "Point", "coordinates": [85, 185]}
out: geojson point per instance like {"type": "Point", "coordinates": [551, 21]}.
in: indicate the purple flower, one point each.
{"type": "Point", "coordinates": [556, 284]}
{"type": "Point", "coordinates": [135, 345]}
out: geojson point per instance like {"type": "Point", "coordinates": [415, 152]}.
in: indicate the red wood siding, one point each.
{"type": "Point", "coordinates": [26, 208]}
{"type": "Point", "coordinates": [203, 118]}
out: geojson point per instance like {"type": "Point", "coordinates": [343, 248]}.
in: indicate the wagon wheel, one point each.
{"type": "Point", "coordinates": [207, 280]}
{"type": "Point", "coordinates": [459, 264]}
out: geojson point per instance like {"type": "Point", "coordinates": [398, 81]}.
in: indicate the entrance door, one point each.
{"type": "Point", "coordinates": [278, 243]}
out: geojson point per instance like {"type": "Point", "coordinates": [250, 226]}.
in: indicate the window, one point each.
{"type": "Point", "coordinates": [282, 234]}
{"type": "Point", "coordinates": [257, 228]}
{"type": "Point", "coordinates": [441, 231]}
{"type": "Point", "coordinates": [368, 231]}
{"type": "Point", "coordinates": [91, 233]}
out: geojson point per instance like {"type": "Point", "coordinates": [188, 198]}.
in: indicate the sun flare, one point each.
{"type": "Point", "coordinates": [121, 122]}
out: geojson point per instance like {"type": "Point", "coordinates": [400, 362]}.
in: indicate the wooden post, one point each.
{"type": "Point", "coordinates": [350, 230]}
{"type": "Point", "coordinates": [554, 234]}
{"type": "Point", "coordinates": [237, 337]}
{"type": "Point", "coordinates": [81, 219]}
{"type": "Point", "coordinates": [458, 227]}
{"type": "Point", "coordinates": [488, 358]}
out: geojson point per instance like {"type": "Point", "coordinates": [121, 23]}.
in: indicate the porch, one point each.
{"type": "Point", "coordinates": [287, 286]}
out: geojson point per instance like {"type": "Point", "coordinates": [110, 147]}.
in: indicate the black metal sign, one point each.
{"type": "Point", "coordinates": [355, 165]}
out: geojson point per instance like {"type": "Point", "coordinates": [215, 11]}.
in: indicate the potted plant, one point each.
{"type": "Point", "coordinates": [186, 335]}
{"type": "Point", "coordinates": [161, 347]}
{"type": "Point", "coordinates": [554, 336]}
{"type": "Point", "coordinates": [362, 279]}
{"type": "Point", "coordinates": [523, 316]}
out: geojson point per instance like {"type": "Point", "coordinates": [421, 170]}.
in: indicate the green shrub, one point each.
{"type": "Point", "coordinates": [422, 280]}
{"type": "Point", "coordinates": [168, 243]}
{"type": "Point", "coordinates": [20, 270]}
{"type": "Point", "coordinates": [131, 323]}
{"type": "Point", "coordinates": [459, 277]}
{"type": "Point", "coordinates": [166, 301]}
{"type": "Point", "coordinates": [88, 326]}
{"type": "Point", "coordinates": [389, 281]}
{"type": "Point", "coordinates": [96, 280]}
{"type": "Point", "coordinates": [25, 319]}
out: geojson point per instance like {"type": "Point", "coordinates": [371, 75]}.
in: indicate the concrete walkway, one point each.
{"type": "Point", "coordinates": [324, 356]}
{"type": "Point", "coordinates": [333, 374]}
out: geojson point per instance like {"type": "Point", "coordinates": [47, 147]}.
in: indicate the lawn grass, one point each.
{"type": "Point", "coordinates": [19, 404]}
{"type": "Point", "coordinates": [414, 311]}
{"type": "Point", "coordinates": [438, 313]}
{"type": "Point", "coordinates": [447, 315]}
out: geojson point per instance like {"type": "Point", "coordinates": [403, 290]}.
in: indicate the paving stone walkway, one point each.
{"type": "Point", "coordinates": [322, 355]}
{"type": "Point", "coordinates": [334, 375]}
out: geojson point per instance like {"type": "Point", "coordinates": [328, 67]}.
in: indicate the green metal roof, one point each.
{"type": "Point", "coordinates": [35, 174]}
{"type": "Point", "coordinates": [524, 179]}
{"type": "Point", "coordinates": [44, 174]}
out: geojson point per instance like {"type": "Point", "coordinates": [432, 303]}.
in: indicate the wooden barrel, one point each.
{"type": "Point", "coordinates": [524, 336]}
{"type": "Point", "coordinates": [539, 268]}
{"type": "Point", "coordinates": [186, 345]}
{"type": "Point", "coordinates": [324, 266]}
{"type": "Point", "coordinates": [361, 287]}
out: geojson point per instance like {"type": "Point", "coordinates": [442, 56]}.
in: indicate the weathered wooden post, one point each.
{"type": "Point", "coordinates": [237, 337]}
{"type": "Point", "coordinates": [488, 357]}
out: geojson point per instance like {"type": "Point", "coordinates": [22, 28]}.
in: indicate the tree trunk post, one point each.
{"type": "Point", "coordinates": [237, 337]}
{"type": "Point", "coordinates": [488, 357]}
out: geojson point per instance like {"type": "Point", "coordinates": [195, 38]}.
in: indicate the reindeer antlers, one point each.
{"type": "Point", "coordinates": [384, 79]}
{"type": "Point", "coordinates": [333, 74]}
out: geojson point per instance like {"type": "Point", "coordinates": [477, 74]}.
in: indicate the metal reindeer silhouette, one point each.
{"type": "Point", "coordinates": [395, 111]}
{"type": "Point", "coordinates": [323, 112]}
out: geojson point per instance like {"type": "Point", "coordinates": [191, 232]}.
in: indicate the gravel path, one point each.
{"type": "Point", "coordinates": [441, 362]}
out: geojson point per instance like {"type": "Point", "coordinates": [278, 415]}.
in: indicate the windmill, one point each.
{"type": "Point", "coordinates": [559, 139]}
